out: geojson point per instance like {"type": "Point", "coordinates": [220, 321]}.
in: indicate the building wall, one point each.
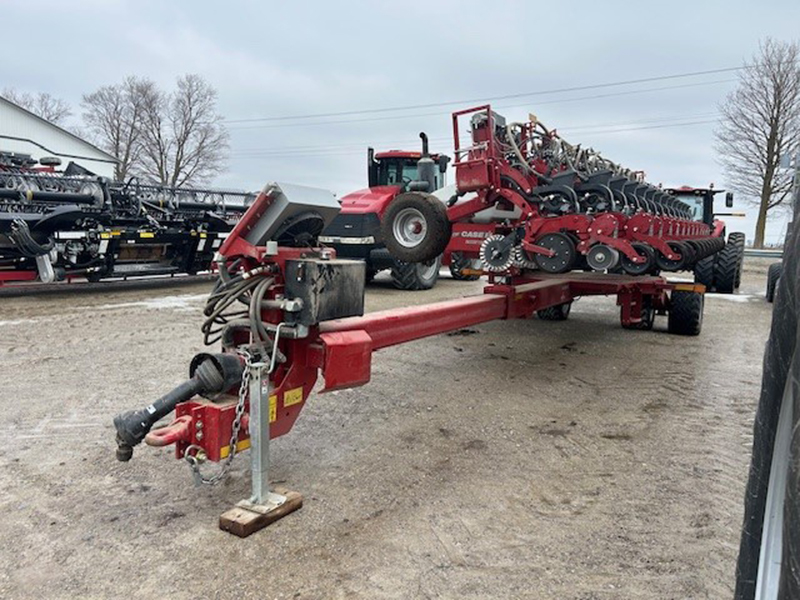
{"type": "Point", "coordinates": [18, 122]}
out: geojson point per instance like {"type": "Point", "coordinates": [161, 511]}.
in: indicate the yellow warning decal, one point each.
{"type": "Point", "coordinates": [292, 397]}
{"type": "Point", "coordinates": [273, 408]}
{"type": "Point", "coordinates": [146, 234]}
{"type": "Point", "coordinates": [105, 236]}
{"type": "Point", "coordinates": [203, 235]}
{"type": "Point", "coordinates": [116, 233]}
{"type": "Point", "coordinates": [240, 445]}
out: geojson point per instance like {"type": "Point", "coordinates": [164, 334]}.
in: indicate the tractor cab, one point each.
{"type": "Point", "coordinates": [401, 168]}
{"type": "Point", "coordinates": [700, 201]}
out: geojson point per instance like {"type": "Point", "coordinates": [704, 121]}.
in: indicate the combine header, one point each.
{"type": "Point", "coordinates": [56, 225]}
{"type": "Point", "coordinates": [286, 310]}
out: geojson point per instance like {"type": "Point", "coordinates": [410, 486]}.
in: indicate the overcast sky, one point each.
{"type": "Point", "coordinates": [288, 59]}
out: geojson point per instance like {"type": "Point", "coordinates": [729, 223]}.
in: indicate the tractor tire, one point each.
{"type": "Point", "coordinates": [416, 276]}
{"type": "Point", "coordinates": [704, 272]}
{"type": "Point", "coordinates": [769, 549]}
{"type": "Point", "coordinates": [559, 312]}
{"type": "Point", "coordinates": [415, 227]}
{"type": "Point", "coordinates": [458, 264]}
{"type": "Point", "coordinates": [726, 268]}
{"type": "Point", "coordinates": [774, 273]}
{"type": "Point", "coordinates": [685, 313]}
{"type": "Point", "coordinates": [739, 239]}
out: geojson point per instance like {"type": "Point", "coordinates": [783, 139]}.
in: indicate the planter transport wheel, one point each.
{"type": "Point", "coordinates": [685, 312]}
{"type": "Point", "coordinates": [559, 312]}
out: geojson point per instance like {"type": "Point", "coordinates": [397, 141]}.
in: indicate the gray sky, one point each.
{"type": "Point", "coordinates": [277, 59]}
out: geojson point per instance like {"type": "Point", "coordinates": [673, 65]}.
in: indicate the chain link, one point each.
{"type": "Point", "coordinates": [194, 462]}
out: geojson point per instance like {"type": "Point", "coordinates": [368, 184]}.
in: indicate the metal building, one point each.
{"type": "Point", "coordinates": [24, 132]}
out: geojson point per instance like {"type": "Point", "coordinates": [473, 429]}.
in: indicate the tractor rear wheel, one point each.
{"type": "Point", "coordinates": [416, 276]}
{"type": "Point", "coordinates": [704, 272]}
{"type": "Point", "coordinates": [685, 312]}
{"type": "Point", "coordinates": [559, 312]}
{"type": "Point", "coordinates": [415, 227]}
{"type": "Point", "coordinates": [459, 264]}
{"type": "Point", "coordinates": [774, 273]}
{"type": "Point", "coordinates": [739, 239]}
{"type": "Point", "coordinates": [727, 266]}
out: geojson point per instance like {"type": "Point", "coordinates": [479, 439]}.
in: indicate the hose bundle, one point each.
{"type": "Point", "coordinates": [21, 236]}
{"type": "Point", "coordinates": [236, 301]}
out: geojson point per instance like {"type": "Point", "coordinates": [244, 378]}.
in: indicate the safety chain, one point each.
{"type": "Point", "coordinates": [194, 462]}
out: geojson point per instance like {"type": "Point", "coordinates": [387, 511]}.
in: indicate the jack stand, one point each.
{"type": "Point", "coordinates": [264, 507]}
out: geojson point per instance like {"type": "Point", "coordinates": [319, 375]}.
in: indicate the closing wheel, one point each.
{"type": "Point", "coordinates": [415, 227]}
{"type": "Point", "coordinates": [685, 312]}
{"type": "Point", "coordinates": [633, 268]}
{"type": "Point", "coordinates": [667, 264]}
{"type": "Point", "coordinates": [416, 276]}
{"type": "Point", "coordinates": [566, 254]}
{"type": "Point", "coordinates": [559, 312]}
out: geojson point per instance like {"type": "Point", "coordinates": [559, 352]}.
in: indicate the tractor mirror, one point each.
{"type": "Point", "coordinates": [443, 160]}
{"type": "Point", "coordinates": [729, 199]}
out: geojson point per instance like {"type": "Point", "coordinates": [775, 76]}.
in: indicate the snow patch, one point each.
{"type": "Point", "coordinates": [182, 302]}
{"type": "Point", "coordinates": [734, 297]}
{"type": "Point", "coordinates": [17, 322]}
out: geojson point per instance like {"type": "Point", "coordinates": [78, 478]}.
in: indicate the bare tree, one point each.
{"type": "Point", "coordinates": [760, 124]}
{"type": "Point", "coordinates": [113, 116]}
{"type": "Point", "coordinates": [183, 138]}
{"type": "Point", "coordinates": [43, 104]}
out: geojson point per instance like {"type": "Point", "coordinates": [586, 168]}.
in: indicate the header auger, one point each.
{"type": "Point", "coordinates": [560, 207]}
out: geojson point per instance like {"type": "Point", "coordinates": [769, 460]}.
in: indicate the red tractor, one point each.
{"type": "Point", "coordinates": [720, 272]}
{"type": "Point", "coordinates": [356, 230]}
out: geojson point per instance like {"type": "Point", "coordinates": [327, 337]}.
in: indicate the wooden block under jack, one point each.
{"type": "Point", "coordinates": [245, 518]}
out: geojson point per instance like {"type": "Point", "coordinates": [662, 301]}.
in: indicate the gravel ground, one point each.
{"type": "Point", "coordinates": [527, 459]}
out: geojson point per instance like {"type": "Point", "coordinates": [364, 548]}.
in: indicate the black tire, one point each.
{"type": "Point", "coordinates": [559, 312]}
{"type": "Point", "coordinates": [704, 272]}
{"type": "Point", "coordinates": [685, 312]}
{"type": "Point", "coordinates": [648, 319]}
{"type": "Point", "coordinates": [416, 209]}
{"type": "Point", "coordinates": [726, 268]}
{"type": "Point", "coordinates": [458, 264]}
{"type": "Point", "coordinates": [774, 273]}
{"type": "Point", "coordinates": [416, 276]}
{"type": "Point", "coordinates": [776, 455]}
{"type": "Point", "coordinates": [739, 239]}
